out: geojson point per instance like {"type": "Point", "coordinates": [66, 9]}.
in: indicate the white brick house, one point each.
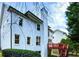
{"type": "Point", "coordinates": [23, 31]}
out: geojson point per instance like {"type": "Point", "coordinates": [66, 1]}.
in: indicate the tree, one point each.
{"type": "Point", "coordinates": [72, 14]}
{"type": "Point", "coordinates": [69, 42]}
{"type": "Point", "coordinates": [73, 46]}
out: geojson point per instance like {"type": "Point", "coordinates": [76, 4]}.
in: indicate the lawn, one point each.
{"type": "Point", "coordinates": [70, 54]}
{"type": "Point", "coordinates": [0, 53]}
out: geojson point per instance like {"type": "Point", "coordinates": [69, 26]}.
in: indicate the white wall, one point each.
{"type": "Point", "coordinates": [5, 30]}
{"type": "Point", "coordinates": [44, 48]}
{"type": "Point", "coordinates": [50, 35]}
{"type": "Point", "coordinates": [28, 29]}
{"type": "Point", "coordinates": [58, 36]}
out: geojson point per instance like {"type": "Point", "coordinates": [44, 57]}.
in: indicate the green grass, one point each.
{"type": "Point", "coordinates": [0, 53]}
{"type": "Point", "coordinates": [70, 54]}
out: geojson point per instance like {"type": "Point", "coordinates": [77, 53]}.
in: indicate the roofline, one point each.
{"type": "Point", "coordinates": [28, 14]}
{"type": "Point", "coordinates": [11, 9]}
{"type": "Point", "coordinates": [49, 28]}
{"type": "Point", "coordinates": [60, 31]}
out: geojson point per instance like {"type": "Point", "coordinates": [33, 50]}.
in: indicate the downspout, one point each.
{"type": "Point", "coordinates": [11, 31]}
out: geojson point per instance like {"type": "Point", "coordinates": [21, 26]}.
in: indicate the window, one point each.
{"type": "Point", "coordinates": [53, 37]}
{"type": "Point", "coordinates": [16, 38]}
{"type": "Point", "coordinates": [38, 27]}
{"type": "Point", "coordinates": [7, 20]}
{"type": "Point", "coordinates": [49, 40]}
{"type": "Point", "coordinates": [38, 40]}
{"type": "Point", "coordinates": [48, 33]}
{"type": "Point", "coordinates": [28, 40]}
{"type": "Point", "coordinates": [20, 22]}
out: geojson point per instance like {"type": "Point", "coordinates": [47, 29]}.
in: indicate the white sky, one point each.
{"type": "Point", "coordinates": [57, 13]}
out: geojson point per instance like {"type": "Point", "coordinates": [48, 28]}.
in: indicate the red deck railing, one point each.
{"type": "Point", "coordinates": [63, 48]}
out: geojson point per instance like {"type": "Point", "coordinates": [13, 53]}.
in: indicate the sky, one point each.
{"type": "Point", "coordinates": [56, 13]}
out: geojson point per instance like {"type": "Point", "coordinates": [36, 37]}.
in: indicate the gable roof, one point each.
{"type": "Point", "coordinates": [27, 15]}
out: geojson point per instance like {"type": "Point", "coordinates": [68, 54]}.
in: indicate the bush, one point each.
{"type": "Point", "coordinates": [19, 53]}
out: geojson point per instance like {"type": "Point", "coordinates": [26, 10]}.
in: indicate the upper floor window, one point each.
{"type": "Point", "coordinates": [28, 40]}
{"type": "Point", "coordinates": [38, 27]}
{"type": "Point", "coordinates": [48, 33]}
{"type": "Point", "coordinates": [20, 22]}
{"type": "Point", "coordinates": [38, 40]}
{"type": "Point", "coordinates": [49, 40]}
{"type": "Point", "coordinates": [16, 38]}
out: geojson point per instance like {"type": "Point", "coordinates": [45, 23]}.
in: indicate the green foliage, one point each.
{"type": "Point", "coordinates": [73, 45]}
{"type": "Point", "coordinates": [69, 42]}
{"type": "Point", "coordinates": [66, 41]}
{"type": "Point", "coordinates": [72, 14]}
{"type": "Point", "coordinates": [19, 53]}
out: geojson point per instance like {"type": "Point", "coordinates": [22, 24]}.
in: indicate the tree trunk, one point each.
{"type": "Point", "coordinates": [76, 51]}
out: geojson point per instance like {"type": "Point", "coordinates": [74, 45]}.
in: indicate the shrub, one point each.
{"type": "Point", "coordinates": [19, 53]}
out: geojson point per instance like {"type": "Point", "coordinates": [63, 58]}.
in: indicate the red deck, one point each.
{"type": "Point", "coordinates": [63, 48]}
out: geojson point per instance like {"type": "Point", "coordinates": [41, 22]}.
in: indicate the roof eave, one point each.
{"type": "Point", "coordinates": [33, 17]}
{"type": "Point", "coordinates": [29, 15]}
